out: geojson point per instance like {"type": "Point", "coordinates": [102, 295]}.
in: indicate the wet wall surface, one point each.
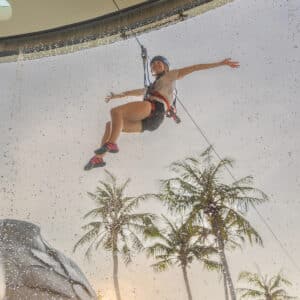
{"type": "Point", "coordinates": [53, 115]}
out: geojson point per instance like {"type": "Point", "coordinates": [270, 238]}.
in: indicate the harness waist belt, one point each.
{"type": "Point", "coordinates": [160, 96]}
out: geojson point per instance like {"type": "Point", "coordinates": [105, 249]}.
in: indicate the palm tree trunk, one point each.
{"type": "Point", "coordinates": [225, 286]}
{"type": "Point", "coordinates": [187, 284]}
{"type": "Point", "coordinates": [115, 274]}
{"type": "Point", "coordinates": [227, 276]}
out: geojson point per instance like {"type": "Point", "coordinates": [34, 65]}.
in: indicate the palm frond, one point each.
{"type": "Point", "coordinates": [89, 236]}
{"type": "Point", "coordinates": [212, 265]}
{"type": "Point", "coordinates": [162, 265]}
{"type": "Point", "coordinates": [96, 212]}
{"type": "Point", "coordinates": [252, 278]}
{"type": "Point", "coordinates": [158, 249]}
{"type": "Point", "coordinates": [249, 293]}
{"type": "Point", "coordinates": [223, 164]}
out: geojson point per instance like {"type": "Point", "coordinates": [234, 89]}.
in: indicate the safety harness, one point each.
{"type": "Point", "coordinates": [171, 109]}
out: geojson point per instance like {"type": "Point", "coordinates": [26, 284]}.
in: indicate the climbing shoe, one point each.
{"type": "Point", "coordinates": [107, 147]}
{"type": "Point", "coordinates": [94, 162]}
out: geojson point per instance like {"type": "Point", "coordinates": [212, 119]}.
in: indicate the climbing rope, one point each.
{"type": "Point", "coordinates": [146, 84]}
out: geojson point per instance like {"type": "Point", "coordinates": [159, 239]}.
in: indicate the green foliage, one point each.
{"type": "Point", "coordinates": [180, 245]}
{"type": "Point", "coordinates": [198, 190]}
{"type": "Point", "coordinates": [118, 228]}
{"type": "Point", "coordinates": [264, 287]}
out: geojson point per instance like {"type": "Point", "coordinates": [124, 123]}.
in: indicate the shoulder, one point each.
{"type": "Point", "coordinates": [172, 75]}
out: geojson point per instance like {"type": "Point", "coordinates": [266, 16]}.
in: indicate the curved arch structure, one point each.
{"type": "Point", "coordinates": [103, 30]}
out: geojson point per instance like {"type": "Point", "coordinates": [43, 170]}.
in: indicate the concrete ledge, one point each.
{"type": "Point", "coordinates": [103, 30]}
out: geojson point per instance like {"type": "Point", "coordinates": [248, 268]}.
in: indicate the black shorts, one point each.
{"type": "Point", "coordinates": [156, 118]}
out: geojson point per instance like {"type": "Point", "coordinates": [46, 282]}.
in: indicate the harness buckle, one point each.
{"type": "Point", "coordinates": [171, 113]}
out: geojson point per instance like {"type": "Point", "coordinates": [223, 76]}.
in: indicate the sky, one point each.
{"type": "Point", "coordinates": [53, 114]}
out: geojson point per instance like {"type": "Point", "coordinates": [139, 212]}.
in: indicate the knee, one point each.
{"type": "Point", "coordinates": [115, 112]}
{"type": "Point", "coordinates": [108, 125]}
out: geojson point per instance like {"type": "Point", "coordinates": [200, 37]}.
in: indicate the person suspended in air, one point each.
{"type": "Point", "coordinates": [149, 113]}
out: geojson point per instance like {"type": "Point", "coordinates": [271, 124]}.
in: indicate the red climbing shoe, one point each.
{"type": "Point", "coordinates": [107, 147]}
{"type": "Point", "coordinates": [94, 162]}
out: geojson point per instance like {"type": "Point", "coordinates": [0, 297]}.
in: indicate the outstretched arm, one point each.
{"type": "Point", "coordinates": [190, 69]}
{"type": "Point", "coordinates": [137, 92]}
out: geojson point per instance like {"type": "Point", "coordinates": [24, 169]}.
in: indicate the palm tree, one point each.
{"type": "Point", "coordinates": [199, 190]}
{"type": "Point", "coordinates": [117, 228]}
{"type": "Point", "coordinates": [264, 287]}
{"type": "Point", "coordinates": [180, 245]}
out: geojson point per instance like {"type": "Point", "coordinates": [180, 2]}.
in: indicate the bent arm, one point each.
{"type": "Point", "coordinates": [190, 69]}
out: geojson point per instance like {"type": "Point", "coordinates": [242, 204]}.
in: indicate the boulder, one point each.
{"type": "Point", "coordinates": [33, 270]}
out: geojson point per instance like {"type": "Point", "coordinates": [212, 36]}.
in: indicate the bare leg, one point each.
{"type": "Point", "coordinates": [128, 126]}
{"type": "Point", "coordinates": [128, 118]}
{"type": "Point", "coordinates": [107, 133]}
{"type": "Point", "coordinates": [106, 136]}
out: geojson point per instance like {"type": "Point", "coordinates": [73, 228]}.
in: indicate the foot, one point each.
{"type": "Point", "coordinates": [107, 147]}
{"type": "Point", "coordinates": [94, 162]}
